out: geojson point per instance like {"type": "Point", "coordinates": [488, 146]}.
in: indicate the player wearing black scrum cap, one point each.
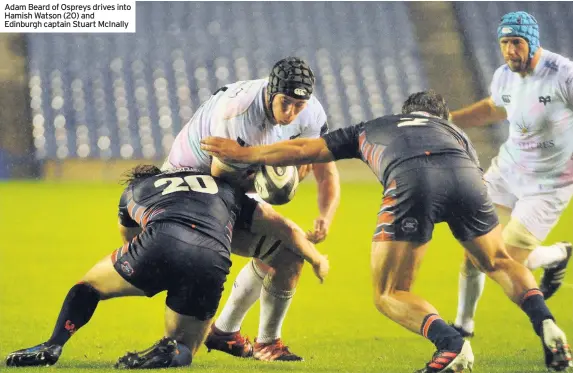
{"type": "Point", "coordinates": [258, 112]}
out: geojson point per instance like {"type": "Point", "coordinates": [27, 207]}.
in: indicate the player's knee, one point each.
{"type": "Point", "coordinates": [384, 294]}
{"type": "Point", "coordinates": [97, 285]}
{"type": "Point", "coordinates": [260, 267]}
{"type": "Point", "coordinates": [383, 303]}
{"type": "Point", "coordinates": [286, 275]}
{"type": "Point", "coordinates": [185, 304]}
{"type": "Point", "coordinates": [286, 264]}
{"type": "Point", "coordinates": [488, 265]}
{"type": "Point", "coordinates": [468, 269]}
{"type": "Point", "coordinates": [379, 303]}
{"type": "Point", "coordinates": [283, 290]}
{"type": "Point", "coordinates": [515, 234]}
{"type": "Point", "coordinates": [293, 267]}
{"type": "Point", "coordinates": [496, 262]}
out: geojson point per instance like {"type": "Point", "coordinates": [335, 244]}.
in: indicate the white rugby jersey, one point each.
{"type": "Point", "coordinates": [540, 112]}
{"type": "Point", "coordinates": [238, 113]}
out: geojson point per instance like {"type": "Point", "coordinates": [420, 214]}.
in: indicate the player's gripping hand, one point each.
{"type": "Point", "coordinates": [225, 149]}
{"type": "Point", "coordinates": [321, 267]}
{"type": "Point", "coordinates": [303, 171]}
{"type": "Point", "coordinates": [321, 226]}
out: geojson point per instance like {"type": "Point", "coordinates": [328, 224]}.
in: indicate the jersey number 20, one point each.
{"type": "Point", "coordinates": [201, 184]}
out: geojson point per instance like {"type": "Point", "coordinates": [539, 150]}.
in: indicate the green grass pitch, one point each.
{"type": "Point", "coordinates": [52, 233]}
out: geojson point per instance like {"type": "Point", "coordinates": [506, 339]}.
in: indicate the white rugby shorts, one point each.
{"type": "Point", "coordinates": [537, 201]}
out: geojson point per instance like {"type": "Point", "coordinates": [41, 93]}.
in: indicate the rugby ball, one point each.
{"type": "Point", "coordinates": [276, 184]}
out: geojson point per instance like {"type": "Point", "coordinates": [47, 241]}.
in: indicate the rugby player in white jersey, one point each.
{"type": "Point", "coordinates": [259, 112]}
{"type": "Point", "coordinates": [531, 179]}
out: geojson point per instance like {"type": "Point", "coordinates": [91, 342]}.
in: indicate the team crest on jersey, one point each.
{"type": "Point", "coordinates": [506, 99]}
{"type": "Point", "coordinates": [552, 65]}
{"type": "Point", "coordinates": [545, 100]}
{"type": "Point", "coordinates": [523, 128]}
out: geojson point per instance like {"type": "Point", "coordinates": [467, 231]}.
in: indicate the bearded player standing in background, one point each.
{"type": "Point", "coordinates": [531, 179]}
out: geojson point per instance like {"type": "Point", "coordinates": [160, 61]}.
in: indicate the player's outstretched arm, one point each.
{"type": "Point", "coordinates": [291, 152]}
{"type": "Point", "coordinates": [266, 219]}
{"type": "Point", "coordinates": [481, 113]}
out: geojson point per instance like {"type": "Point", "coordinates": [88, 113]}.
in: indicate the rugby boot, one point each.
{"type": "Point", "coordinates": [552, 278]}
{"type": "Point", "coordinates": [40, 355]}
{"type": "Point", "coordinates": [450, 361]}
{"type": "Point", "coordinates": [231, 343]}
{"type": "Point", "coordinates": [274, 351]}
{"type": "Point", "coordinates": [555, 346]}
{"type": "Point", "coordinates": [163, 354]}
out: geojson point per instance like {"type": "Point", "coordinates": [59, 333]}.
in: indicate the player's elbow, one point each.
{"type": "Point", "coordinates": [283, 227]}
{"type": "Point", "coordinates": [327, 173]}
{"type": "Point", "coordinates": [288, 231]}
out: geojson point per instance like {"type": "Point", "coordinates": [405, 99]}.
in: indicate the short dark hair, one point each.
{"type": "Point", "coordinates": [428, 101]}
{"type": "Point", "coordinates": [139, 172]}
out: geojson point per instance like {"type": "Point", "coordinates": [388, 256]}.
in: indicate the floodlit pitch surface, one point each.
{"type": "Point", "coordinates": [52, 233]}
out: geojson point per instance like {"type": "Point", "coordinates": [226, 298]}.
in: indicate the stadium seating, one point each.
{"type": "Point", "coordinates": [478, 22]}
{"type": "Point", "coordinates": [127, 95]}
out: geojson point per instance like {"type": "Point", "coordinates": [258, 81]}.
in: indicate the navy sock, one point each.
{"type": "Point", "coordinates": [183, 357]}
{"type": "Point", "coordinates": [442, 335]}
{"type": "Point", "coordinates": [77, 310]}
{"type": "Point", "coordinates": [533, 304]}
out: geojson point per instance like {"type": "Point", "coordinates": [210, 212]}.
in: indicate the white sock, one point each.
{"type": "Point", "coordinates": [470, 288]}
{"type": "Point", "coordinates": [546, 256]}
{"type": "Point", "coordinates": [274, 306]}
{"type": "Point", "coordinates": [246, 290]}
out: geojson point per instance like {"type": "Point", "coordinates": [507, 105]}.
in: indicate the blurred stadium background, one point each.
{"type": "Point", "coordinates": [85, 107]}
{"type": "Point", "coordinates": [74, 102]}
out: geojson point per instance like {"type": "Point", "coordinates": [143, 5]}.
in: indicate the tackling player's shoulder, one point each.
{"type": "Point", "coordinates": [239, 97]}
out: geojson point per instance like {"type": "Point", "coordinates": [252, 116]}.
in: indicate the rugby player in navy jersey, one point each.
{"type": "Point", "coordinates": [430, 174]}
{"type": "Point", "coordinates": [182, 223]}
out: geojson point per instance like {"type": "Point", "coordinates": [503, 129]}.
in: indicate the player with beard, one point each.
{"type": "Point", "coordinates": [531, 179]}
